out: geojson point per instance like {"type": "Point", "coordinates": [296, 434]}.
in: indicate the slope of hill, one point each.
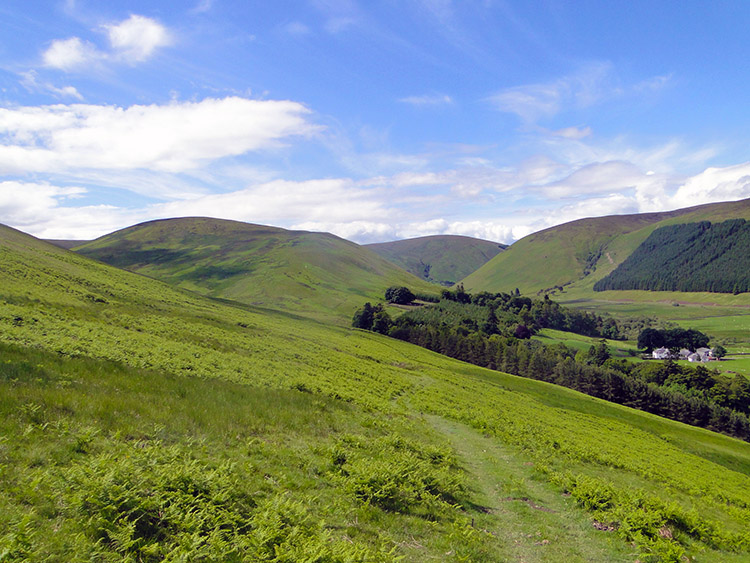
{"type": "Point", "coordinates": [316, 439]}
{"type": "Point", "coordinates": [304, 272]}
{"type": "Point", "coordinates": [576, 255]}
{"type": "Point", "coordinates": [67, 244]}
{"type": "Point", "coordinates": [688, 257]}
{"type": "Point", "coordinates": [443, 259]}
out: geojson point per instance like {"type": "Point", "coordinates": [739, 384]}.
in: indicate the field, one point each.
{"type": "Point", "coordinates": [618, 348]}
{"type": "Point", "coordinates": [239, 432]}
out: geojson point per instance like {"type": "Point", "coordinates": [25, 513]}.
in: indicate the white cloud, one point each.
{"type": "Point", "coordinates": [477, 176]}
{"type": "Point", "coordinates": [174, 137]}
{"type": "Point", "coordinates": [611, 204]}
{"type": "Point", "coordinates": [336, 200]}
{"type": "Point", "coordinates": [428, 100]}
{"type": "Point", "coordinates": [714, 184]}
{"type": "Point", "coordinates": [71, 54]}
{"type": "Point", "coordinates": [131, 41]}
{"type": "Point", "coordinates": [44, 210]}
{"type": "Point", "coordinates": [364, 232]}
{"type": "Point", "coordinates": [136, 38]}
{"type": "Point", "coordinates": [605, 177]}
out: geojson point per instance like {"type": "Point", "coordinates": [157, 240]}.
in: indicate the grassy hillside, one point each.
{"type": "Point", "coordinates": [701, 256]}
{"type": "Point", "coordinates": [68, 244]}
{"type": "Point", "coordinates": [140, 422]}
{"type": "Point", "coordinates": [578, 254]}
{"type": "Point", "coordinates": [313, 273]}
{"type": "Point", "coordinates": [443, 259]}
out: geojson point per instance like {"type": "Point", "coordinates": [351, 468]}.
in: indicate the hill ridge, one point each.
{"type": "Point", "coordinates": [576, 254]}
{"type": "Point", "coordinates": [443, 259]}
{"type": "Point", "coordinates": [318, 273]}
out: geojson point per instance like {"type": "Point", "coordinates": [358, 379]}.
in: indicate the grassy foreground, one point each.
{"type": "Point", "coordinates": [143, 423]}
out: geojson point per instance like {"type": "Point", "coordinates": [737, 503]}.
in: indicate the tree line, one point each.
{"type": "Point", "coordinates": [694, 395]}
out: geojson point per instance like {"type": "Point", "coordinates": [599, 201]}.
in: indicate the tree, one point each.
{"type": "Point", "coordinates": [399, 295]}
{"type": "Point", "coordinates": [719, 351]}
{"type": "Point", "coordinates": [490, 325]}
{"type": "Point", "coordinates": [363, 317]}
{"type": "Point", "coordinates": [522, 332]}
{"type": "Point", "coordinates": [381, 322]}
{"type": "Point", "coordinates": [650, 338]}
{"type": "Point", "coordinates": [600, 353]}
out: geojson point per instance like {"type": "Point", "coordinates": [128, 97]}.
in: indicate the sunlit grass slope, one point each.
{"type": "Point", "coordinates": [140, 421]}
{"type": "Point", "coordinates": [577, 254]}
{"type": "Point", "coordinates": [443, 259]}
{"type": "Point", "coordinates": [314, 273]}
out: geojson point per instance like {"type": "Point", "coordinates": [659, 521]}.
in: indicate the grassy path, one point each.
{"type": "Point", "coordinates": [530, 519]}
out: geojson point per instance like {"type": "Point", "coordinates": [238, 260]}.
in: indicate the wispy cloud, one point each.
{"type": "Point", "coordinates": [202, 7]}
{"type": "Point", "coordinates": [340, 14]}
{"type": "Point", "coordinates": [572, 132]}
{"type": "Point", "coordinates": [297, 28]}
{"type": "Point", "coordinates": [593, 84]}
{"type": "Point", "coordinates": [30, 80]}
{"type": "Point", "coordinates": [428, 100]}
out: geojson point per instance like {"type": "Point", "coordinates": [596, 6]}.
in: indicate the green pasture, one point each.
{"type": "Point", "coordinates": [734, 364]}
{"type": "Point", "coordinates": [618, 348]}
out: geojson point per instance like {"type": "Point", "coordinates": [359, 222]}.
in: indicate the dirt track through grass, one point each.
{"type": "Point", "coordinates": [530, 519]}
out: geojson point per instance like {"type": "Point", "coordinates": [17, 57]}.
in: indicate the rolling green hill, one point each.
{"type": "Point", "coordinates": [689, 257]}
{"type": "Point", "coordinates": [304, 272]}
{"type": "Point", "coordinates": [141, 422]}
{"type": "Point", "coordinates": [443, 259]}
{"type": "Point", "coordinates": [576, 255]}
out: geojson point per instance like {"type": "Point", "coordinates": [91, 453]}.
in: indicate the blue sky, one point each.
{"type": "Point", "coordinates": [373, 120]}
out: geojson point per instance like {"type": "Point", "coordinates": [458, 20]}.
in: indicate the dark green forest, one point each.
{"type": "Point", "coordinates": [494, 330]}
{"type": "Point", "coordinates": [691, 257]}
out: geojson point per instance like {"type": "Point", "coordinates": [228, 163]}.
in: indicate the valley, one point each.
{"type": "Point", "coordinates": [207, 413]}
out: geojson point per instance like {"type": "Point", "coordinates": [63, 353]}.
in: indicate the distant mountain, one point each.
{"type": "Point", "coordinates": [315, 273]}
{"type": "Point", "coordinates": [689, 257]}
{"type": "Point", "coordinates": [443, 259]}
{"type": "Point", "coordinates": [578, 254]}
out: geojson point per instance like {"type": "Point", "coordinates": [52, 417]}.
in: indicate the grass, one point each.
{"type": "Point", "coordinates": [618, 348]}
{"type": "Point", "coordinates": [102, 461]}
{"type": "Point", "coordinates": [531, 521]}
{"type": "Point", "coordinates": [316, 274]}
{"type": "Point", "coordinates": [734, 364]}
{"type": "Point", "coordinates": [321, 436]}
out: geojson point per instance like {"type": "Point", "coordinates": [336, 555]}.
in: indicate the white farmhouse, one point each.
{"type": "Point", "coordinates": [661, 354]}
